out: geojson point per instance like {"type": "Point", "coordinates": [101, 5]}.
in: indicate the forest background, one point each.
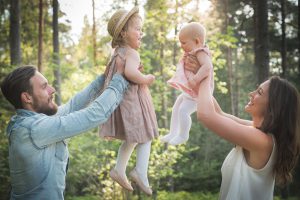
{"type": "Point", "coordinates": [250, 41]}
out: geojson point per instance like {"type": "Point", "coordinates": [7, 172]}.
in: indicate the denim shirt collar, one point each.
{"type": "Point", "coordinates": [15, 120]}
{"type": "Point", "coordinates": [24, 112]}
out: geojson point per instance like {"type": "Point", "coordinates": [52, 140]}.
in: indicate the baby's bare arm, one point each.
{"type": "Point", "coordinates": [132, 72]}
{"type": "Point", "coordinates": [191, 63]}
{"type": "Point", "coordinates": [206, 66]}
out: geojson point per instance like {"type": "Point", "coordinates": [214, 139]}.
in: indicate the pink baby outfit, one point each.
{"type": "Point", "coordinates": [134, 120]}
{"type": "Point", "coordinates": [180, 79]}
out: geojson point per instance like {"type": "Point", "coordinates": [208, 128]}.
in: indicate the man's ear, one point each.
{"type": "Point", "coordinates": [26, 98]}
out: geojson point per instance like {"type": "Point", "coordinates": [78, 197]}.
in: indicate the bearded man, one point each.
{"type": "Point", "coordinates": [38, 153]}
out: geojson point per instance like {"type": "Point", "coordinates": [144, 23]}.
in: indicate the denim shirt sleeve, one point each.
{"type": "Point", "coordinates": [83, 98]}
{"type": "Point", "coordinates": [50, 129]}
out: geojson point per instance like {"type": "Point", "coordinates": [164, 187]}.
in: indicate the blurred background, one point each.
{"type": "Point", "coordinates": [67, 40]}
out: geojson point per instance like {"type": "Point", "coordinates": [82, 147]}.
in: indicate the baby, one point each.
{"type": "Point", "coordinates": [192, 40]}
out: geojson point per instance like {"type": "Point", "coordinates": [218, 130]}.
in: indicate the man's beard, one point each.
{"type": "Point", "coordinates": [45, 109]}
{"type": "Point", "coordinates": [49, 111]}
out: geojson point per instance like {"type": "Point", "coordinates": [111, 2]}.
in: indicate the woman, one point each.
{"type": "Point", "coordinates": [267, 148]}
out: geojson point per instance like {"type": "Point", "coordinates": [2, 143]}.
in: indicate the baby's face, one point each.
{"type": "Point", "coordinates": [187, 43]}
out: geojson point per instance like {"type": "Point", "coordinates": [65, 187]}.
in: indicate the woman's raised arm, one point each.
{"type": "Point", "coordinates": [208, 112]}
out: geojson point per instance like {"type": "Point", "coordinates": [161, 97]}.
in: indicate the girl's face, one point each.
{"type": "Point", "coordinates": [187, 43]}
{"type": "Point", "coordinates": [133, 35]}
{"type": "Point", "coordinates": [259, 100]}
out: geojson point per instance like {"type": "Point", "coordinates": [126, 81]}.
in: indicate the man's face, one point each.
{"type": "Point", "coordinates": [42, 95]}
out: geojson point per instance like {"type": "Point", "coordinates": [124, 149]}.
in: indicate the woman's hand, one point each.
{"type": "Point", "coordinates": [192, 83]}
{"type": "Point", "coordinates": [191, 63]}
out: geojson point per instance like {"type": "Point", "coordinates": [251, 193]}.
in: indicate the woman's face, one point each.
{"type": "Point", "coordinates": [259, 100]}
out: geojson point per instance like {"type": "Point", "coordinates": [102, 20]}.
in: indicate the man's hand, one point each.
{"type": "Point", "coordinates": [191, 63]}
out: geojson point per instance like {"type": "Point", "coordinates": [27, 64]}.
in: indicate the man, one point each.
{"type": "Point", "coordinates": [38, 154]}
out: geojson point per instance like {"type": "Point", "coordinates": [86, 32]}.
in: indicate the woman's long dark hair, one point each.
{"type": "Point", "coordinates": [282, 120]}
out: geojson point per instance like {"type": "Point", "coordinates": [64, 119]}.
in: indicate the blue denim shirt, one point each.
{"type": "Point", "coordinates": [38, 154]}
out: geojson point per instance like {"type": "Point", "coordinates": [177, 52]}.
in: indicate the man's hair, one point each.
{"type": "Point", "coordinates": [16, 82]}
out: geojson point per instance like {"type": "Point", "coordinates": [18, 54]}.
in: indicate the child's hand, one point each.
{"type": "Point", "coordinates": [150, 78]}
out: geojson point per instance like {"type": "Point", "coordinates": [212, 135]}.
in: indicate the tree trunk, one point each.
{"type": "Point", "coordinates": [283, 38]}
{"type": "Point", "coordinates": [41, 29]}
{"type": "Point", "coordinates": [56, 60]}
{"type": "Point", "coordinates": [237, 87]}
{"type": "Point", "coordinates": [175, 48]}
{"type": "Point", "coordinates": [14, 33]}
{"type": "Point", "coordinates": [164, 97]}
{"type": "Point", "coordinates": [261, 41]}
{"type": "Point", "coordinates": [229, 62]}
{"type": "Point", "coordinates": [94, 35]}
{"type": "Point", "coordinates": [299, 37]}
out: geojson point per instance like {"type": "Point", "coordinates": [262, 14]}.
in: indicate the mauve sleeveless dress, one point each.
{"type": "Point", "coordinates": [134, 120]}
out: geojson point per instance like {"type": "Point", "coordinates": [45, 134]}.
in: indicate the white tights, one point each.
{"type": "Point", "coordinates": [181, 120]}
{"type": "Point", "coordinates": [142, 159]}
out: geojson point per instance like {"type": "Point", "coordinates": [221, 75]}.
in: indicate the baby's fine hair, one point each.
{"type": "Point", "coordinates": [194, 29]}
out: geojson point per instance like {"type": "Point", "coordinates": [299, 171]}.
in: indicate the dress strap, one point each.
{"type": "Point", "coordinates": [111, 68]}
{"type": "Point", "coordinates": [205, 49]}
{"type": "Point", "coordinates": [121, 51]}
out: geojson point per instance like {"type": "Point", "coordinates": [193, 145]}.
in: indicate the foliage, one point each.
{"type": "Point", "coordinates": [89, 197]}
{"type": "Point", "coordinates": [161, 195]}
{"type": "Point", "coordinates": [186, 196]}
{"type": "Point", "coordinates": [189, 171]}
{"type": "Point", "coordinates": [6, 110]}
{"type": "Point", "coordinates": [91, 159]}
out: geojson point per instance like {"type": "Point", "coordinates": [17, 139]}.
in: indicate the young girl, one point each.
{"type": "Point", "coordinates": [134, 121]}
{"type": "Point", "coordinates": [192, 40]}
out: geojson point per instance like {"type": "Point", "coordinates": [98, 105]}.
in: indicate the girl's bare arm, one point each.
{"type": "Point", "coordinates": [132, 71]}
